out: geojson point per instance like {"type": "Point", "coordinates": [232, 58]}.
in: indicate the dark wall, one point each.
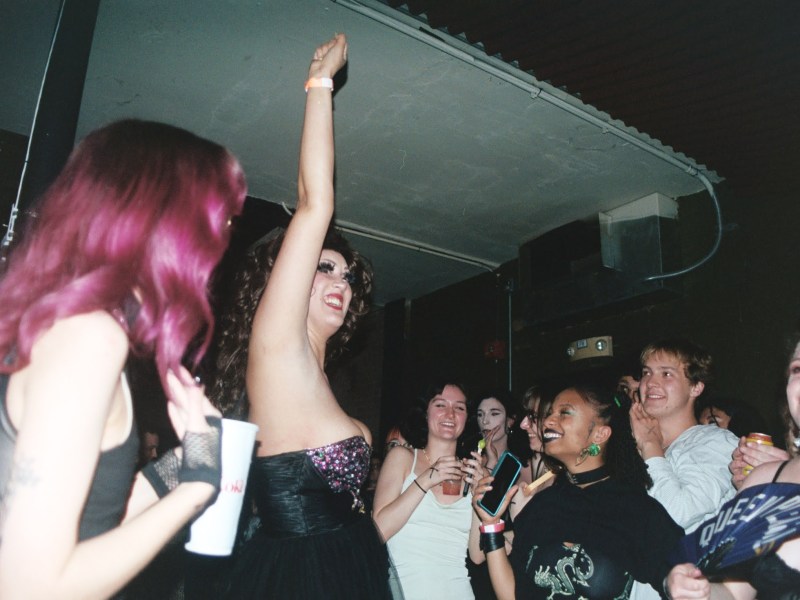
{"type": "Point", "coordinates": [447, 333]}
{"type": "Point", "coordinates": [741, 306]}
{"type": "Point", "coordinates": [12, 158]}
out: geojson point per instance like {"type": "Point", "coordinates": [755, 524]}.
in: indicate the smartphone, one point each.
{"type": "Point", "coordinates": [505, 474]}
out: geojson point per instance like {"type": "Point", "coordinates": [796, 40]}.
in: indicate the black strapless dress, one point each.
{"type": "Point", "coordinates": [315, 539]}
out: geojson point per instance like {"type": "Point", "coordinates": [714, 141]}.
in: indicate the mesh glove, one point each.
{"type": "Point", "coordinates": [202, 461]}
{"type": "Point", "coordinates": [202, 455]}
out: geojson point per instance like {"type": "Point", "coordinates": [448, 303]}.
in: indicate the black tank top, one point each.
{"type": "Point", "coordinates": [771, 577]}
{"type": "Point", "coordinates": [112, 481]}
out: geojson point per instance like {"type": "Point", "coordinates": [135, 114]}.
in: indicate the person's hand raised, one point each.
{"type": "Point", "coordinates": [329, 57]}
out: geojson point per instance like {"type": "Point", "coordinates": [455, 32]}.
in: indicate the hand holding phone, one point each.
{"type": "Point", "coordinates": [505, 475]}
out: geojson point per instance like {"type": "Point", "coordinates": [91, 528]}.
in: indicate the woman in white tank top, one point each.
{"type": "Point", "coordinates": [427, 530]}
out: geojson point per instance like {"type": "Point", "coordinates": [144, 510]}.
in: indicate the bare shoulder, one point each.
{"type": "Point", "coordinates": [364, 430]}
{"type": "Point", "coordinates": [765, 473]}
{"type": "Point", "coordinates": [95, 335]}
{"type": "Point", "coordinates": [791, 473]}
{"type": "Point", "coordinates": [400, 456]}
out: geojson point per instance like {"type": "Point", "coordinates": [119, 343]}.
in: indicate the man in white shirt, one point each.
{"type": "Point", "coordinates": [687, 462]}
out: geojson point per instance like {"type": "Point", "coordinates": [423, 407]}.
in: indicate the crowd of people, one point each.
{"type": "Point", "coordinates": [118, 262]}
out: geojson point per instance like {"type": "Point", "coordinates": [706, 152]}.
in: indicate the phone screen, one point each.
{"type": "Point", "coordinates": [505, 475]}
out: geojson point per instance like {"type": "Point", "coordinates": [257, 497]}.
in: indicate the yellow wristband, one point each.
{"type": "Point", "coordinates": [323, 82]}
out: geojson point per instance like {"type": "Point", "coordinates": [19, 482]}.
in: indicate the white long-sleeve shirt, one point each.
{"type": "Point", "coordinates": [692, 481]}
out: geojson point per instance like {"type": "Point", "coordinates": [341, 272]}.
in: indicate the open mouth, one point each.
{"type": "Point", "coordinates": [334, 301]}
{"type": "Point", "coordinates": [548, 435]}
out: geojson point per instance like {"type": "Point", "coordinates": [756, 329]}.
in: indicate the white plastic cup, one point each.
{"type": "Point", "coordinates": [214, 531]}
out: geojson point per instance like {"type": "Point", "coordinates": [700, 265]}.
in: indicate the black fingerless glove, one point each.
{"type": "Point", "coordinates": [202, 461]}
{"type": "Point", "coordinates": [202, 455]}
{"type": "Point", "coordinates": [162, 473]}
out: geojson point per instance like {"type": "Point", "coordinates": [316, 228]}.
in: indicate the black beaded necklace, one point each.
{"type": "Point", "coordinates": [588, 477]}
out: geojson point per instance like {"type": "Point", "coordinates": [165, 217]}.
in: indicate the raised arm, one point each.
{"type": "Point", "coordinates": [280, 320]}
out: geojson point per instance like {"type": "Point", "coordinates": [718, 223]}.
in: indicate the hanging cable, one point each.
{"type": "Point", "coordinates": [8, 237]}
{"type": "Point", "coordinates": [717, 240]}
{"type": "Point", "coordinates": [466, 52]}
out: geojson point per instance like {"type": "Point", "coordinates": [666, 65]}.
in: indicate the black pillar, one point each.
{"type": "Point", "coordinates": [56, 118]}
{"type": "Point", "coordinates": [393, 404]}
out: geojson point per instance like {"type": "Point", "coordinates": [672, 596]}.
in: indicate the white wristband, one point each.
{"type": "Point", "coordinates": [323, 82]}
{"type": "Point", "coordinates": [493, 527]}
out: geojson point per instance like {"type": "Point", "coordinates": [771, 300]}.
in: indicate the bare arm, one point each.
{"type": "Point", "coordinates": [476, 555]}
{"type": "Point", "coordinates": [280, 319]}
{"type": "Point", "coordinates": [500, 571]}
{"type": "Point", "coordinates": [67, 394]}
{"type": "Point", "coordinates": [686, 582]}
{"type": "Point", "coordinates": [394, 506]}
{"type": "Point", "coordinates": [752, 454]}
{"type": "Point", "coordinates": [501, 575]}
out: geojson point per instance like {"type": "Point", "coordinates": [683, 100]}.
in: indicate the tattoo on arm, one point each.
{"type": "Point", "coordinates": [23, 474]}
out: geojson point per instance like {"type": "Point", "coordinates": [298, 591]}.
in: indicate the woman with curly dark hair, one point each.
{"type": "Point", "coordinates": [595, 530]}
{"type": "Point", "coordinates": [315, 540]}
{"type": "Point", "coordinates": [228, 391]}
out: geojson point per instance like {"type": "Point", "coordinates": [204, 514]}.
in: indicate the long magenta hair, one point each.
{"type": "Point", "coordinates": [139, 206]}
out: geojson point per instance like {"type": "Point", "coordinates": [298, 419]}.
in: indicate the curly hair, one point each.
{"type": "Point", "coordinates": [622, 458]}
{"type": "Point", "coordinates": [228, 380]}
{"type": "Point", "coordinates": [139, 206]}
{"type": "Point", "coordinates": [415, 426]}
{"type": "Point", "coordinates": [697, 362]}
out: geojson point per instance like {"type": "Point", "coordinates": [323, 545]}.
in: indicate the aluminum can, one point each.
{"type": "Point", "coordinates": [756, 438]}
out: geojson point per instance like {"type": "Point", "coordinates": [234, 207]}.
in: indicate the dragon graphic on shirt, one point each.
{"type": "Point", "coordinates": [570, 572]}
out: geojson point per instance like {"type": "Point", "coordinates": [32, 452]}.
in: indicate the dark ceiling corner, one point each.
{"type": "Point", "coordinates": [716, 80]}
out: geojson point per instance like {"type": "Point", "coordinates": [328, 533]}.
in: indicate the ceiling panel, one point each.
{"type": "Point", "coordinates": [439, 147]}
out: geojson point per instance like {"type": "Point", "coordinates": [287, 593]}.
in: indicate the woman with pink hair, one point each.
{"type": "Point", "coordinates": [116, 260]}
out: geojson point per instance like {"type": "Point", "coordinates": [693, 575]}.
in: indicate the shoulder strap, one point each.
{"type": "Point", "coordinates": [5, 420]}
{"type": "Point", "coordinates": [778, 472]}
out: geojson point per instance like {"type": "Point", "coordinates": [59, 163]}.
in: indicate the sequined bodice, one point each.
{"type": "Point", "coordinates": [344, 465]}
{"type": "Point", "coordinates": [311, 491]}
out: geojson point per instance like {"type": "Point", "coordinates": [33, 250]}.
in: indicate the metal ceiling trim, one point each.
{"type": "Point", "coordinates": [413, 27]}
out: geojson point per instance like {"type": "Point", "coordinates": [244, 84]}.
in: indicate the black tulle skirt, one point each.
{"type": "Point", "coordinates": [348, 563]}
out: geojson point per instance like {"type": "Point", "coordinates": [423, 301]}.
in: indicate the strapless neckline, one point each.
{"type": "Point", "coordinates": [307, 450]}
